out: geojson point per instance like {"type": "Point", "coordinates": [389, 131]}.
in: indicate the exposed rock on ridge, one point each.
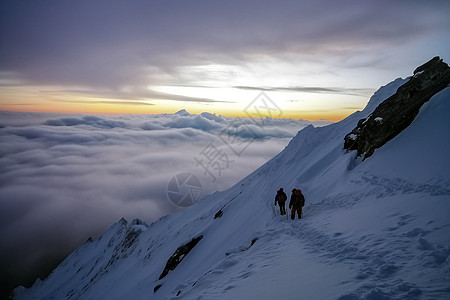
{"type": "Point", "coordinates": [394, 114]}
{"type": "Point", "coordinates": [179, 255]}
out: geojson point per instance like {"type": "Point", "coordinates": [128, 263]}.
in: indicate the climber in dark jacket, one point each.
{"type": "Point", "coordinates": [281, 198]}
{"type": "Point", "coordinates": [296, 204]}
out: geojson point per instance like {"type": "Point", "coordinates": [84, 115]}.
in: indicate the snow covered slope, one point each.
{"type": "Point", "coordinates": [377, 229]}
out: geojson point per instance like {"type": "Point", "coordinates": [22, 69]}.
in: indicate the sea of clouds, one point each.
{"type": "Point", "coordinates": [66, 177]}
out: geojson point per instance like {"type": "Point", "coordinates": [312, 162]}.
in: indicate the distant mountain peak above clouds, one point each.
{"type": "Point", "coordinates": [183, 112]}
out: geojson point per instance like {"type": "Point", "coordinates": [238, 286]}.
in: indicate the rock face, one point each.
{"type": "Point", "coordinates": [178, 256]}
{"type": "Point", "coordinates": [398, 111]}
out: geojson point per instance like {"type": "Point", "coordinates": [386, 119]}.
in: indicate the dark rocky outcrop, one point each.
{"type": "Point", "coordinates": [218, 214]}
{"type": "Point", "coordinates": [156, 288]}
{"type": "Point", "coordinates": [397, 112]}
{"type": "Point", "coordinates": [179, 255]}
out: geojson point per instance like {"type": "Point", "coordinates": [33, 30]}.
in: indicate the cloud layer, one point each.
{"type": "Point", "coordinates": [67, 177]}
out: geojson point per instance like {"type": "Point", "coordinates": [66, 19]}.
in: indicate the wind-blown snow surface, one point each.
{"type": "Point", "coordinates": [377, 229]}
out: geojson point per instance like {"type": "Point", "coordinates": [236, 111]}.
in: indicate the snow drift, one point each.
{"type": "Point", "coordinates": [372, 229]}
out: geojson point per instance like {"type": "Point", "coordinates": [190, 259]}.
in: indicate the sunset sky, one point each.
{"type": "Point", "coordinates": [315, 59]}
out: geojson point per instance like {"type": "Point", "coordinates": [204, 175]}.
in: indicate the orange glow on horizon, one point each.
{"type": "Point", "coordinates": [33, 100]}
{"type": "Point", "coordinates": [102, 109]}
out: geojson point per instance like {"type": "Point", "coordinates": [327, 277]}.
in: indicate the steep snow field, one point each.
{"type": "Point", "coordinates": [373, 229]}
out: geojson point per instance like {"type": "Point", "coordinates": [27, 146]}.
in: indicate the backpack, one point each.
{"type": "Point", "coordinates": [302, 200]}
{"type": "Point", "coordinates": [281, 197]}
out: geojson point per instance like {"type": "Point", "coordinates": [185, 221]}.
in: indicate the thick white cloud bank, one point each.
{"type": "Point", "coordinates": [67, 177]}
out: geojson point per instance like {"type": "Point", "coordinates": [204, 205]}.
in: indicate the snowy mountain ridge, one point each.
{"type": "Point", "coordinates": [373, 229]}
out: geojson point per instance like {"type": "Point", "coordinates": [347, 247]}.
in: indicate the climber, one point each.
{"type": "Point", "coordinates": [281, 199]}
{"type": "Point", "coordinates": [296, 204]}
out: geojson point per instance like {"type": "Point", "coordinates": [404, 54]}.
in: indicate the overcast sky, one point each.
{"type": "Point", "coordinates": [317, 59]}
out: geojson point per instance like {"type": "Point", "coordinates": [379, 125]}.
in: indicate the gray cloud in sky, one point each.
{"type": "Point", "coordinates": [313, 89]}
{"type": "Point", "coordinates": [104, 102]}
{"type": "Point", "coordinates": [105, 44]}
{"type": "Point", "coordinates": [130, 95]}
